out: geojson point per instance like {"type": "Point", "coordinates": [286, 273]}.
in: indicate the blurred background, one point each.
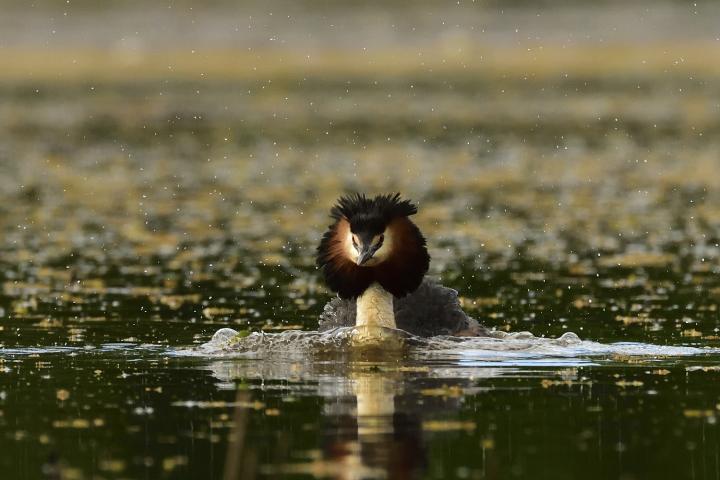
{"type": "Point", "coordinates": [165, 144]}
{"type": "Point", "coordinates": [166, 169]}
{"type": "Point", "coordinates": [168, 122]}
{"type": "Point", "coordinates": [142, 126]}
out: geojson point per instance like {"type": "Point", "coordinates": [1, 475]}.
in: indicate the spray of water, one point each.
{"type": "Point", "coordinates": [498, 347]}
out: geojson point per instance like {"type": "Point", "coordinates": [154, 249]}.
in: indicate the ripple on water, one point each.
{"type": "Point", "coordinates": [122, 348]}
{"type": "Point", "coordinates": [519, 348]}
{"type": "Point", "coordinates": [25, 351]}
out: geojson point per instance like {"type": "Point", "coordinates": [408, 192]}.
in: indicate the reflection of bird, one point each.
{"type": "Point", "coordinates": [375, 258]}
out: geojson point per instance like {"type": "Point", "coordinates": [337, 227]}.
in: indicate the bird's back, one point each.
{"type": "Point", "coordinates": [428, 311]}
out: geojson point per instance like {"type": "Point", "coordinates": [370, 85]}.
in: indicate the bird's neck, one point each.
{"type": "Point", "coordinates": [375, 308]}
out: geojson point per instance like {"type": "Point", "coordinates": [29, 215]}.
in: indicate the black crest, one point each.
{"type": "Point", "coordinates": [371, 214]}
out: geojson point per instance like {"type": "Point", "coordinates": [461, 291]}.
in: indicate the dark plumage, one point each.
{"type": "Point", "coordinates": [383, 208]}
{"type": "Point", "coordinates": [430, 310]}
{"type": "Point", "coordinates": [372, 241]}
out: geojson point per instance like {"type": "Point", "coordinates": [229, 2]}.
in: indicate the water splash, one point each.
{"type": "Point", "coordinates": [227, 342]}
{"type": "Point", "coordinates": [499, 348]}
{"type": "Point", "coordinates": [503, 346]}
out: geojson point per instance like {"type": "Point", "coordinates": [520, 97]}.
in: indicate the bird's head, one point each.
{"type": "Point", "coordinates": [369, 240]}
{"type": "Point", "coordinates": [373, 240]}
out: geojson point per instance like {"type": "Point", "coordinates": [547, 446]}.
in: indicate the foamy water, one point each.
{"type": "Point", "coordinates": [500, 347]}
{"type": "Point", "coordinates": [509, 349]}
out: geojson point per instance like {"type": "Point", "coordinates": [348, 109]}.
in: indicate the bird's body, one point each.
{"type": "Point", "coordinates": [429, 311]}
{"type": "Point", "coordinates": [375, 258]}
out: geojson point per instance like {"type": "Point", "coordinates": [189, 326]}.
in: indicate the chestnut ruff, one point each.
{"type": "Point", "coordinates": [407, 262]}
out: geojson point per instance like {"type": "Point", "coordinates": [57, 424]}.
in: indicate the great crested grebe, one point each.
{"type": "Point", "coordinates": [375, 259]}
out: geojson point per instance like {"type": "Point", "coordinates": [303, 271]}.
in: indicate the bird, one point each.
{"type": "Point", "coordinates": [375, 259]}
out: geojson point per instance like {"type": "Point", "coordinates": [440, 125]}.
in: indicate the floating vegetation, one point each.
{"type": "Point", "coordinates": [160, 186]}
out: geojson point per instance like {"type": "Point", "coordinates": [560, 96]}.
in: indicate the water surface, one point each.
{"type": "Point", "coordinates": [167, 172]}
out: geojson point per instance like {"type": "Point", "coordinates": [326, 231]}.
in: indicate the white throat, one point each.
{"type": "Point", "coordinates": [375, 308]}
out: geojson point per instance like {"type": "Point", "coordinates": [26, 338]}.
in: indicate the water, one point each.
{"type": "Point", "coordinates": [177, 181]}
{"type": "Point", "coordinates": [498, 346]}
{"type": "Point", "coordinates": [304, 403]}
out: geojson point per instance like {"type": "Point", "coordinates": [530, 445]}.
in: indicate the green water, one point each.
{"type": "Point", "coordinates": [177, 181]}
{"type": "Point", "coordinates": [123, 396]}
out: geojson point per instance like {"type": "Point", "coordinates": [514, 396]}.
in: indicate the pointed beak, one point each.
{"type": "Point", "coordinates": [365, 254]}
